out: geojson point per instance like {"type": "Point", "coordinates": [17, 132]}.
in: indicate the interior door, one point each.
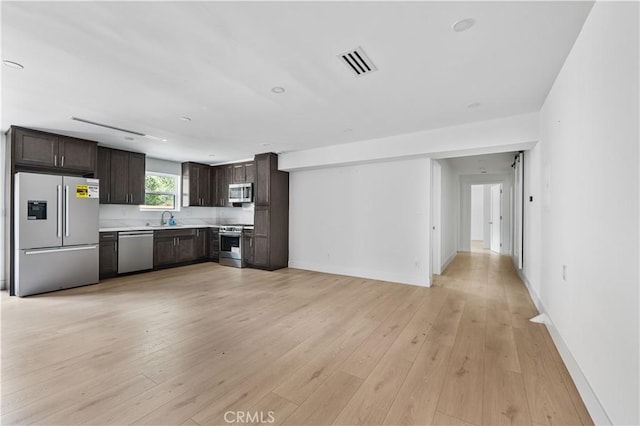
{"type": "Point", "coordinates": [496, 217]}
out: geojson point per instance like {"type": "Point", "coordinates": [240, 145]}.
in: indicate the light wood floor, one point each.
{"type": "Point", "coordinates": [187, 345]}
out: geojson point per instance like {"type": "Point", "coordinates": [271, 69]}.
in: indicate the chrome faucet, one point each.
{"type": "Point", "coordinates": [162, 220]}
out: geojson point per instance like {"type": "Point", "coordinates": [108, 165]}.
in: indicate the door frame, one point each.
{"type": "Point", "coordinates": [496, 187]}
{"type": "Point", "coordinates": [436, 219]}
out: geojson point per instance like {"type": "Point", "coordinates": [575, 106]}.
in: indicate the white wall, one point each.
{"type": "Point", "coordinates": [449, 214]}
{"type": "Point", "coordinates": [484, 137]}
{"type": "Point", "coordinates": [589, 217]}
{"type": "Point", "coordinates": [368, 220]}
{"type": "Point", "coordinates": [477, 213]}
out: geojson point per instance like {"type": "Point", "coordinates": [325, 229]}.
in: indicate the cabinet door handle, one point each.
{"type": "Point", "coordinates": [62, 161]}
{"type": "Point", "coordinates": [108, 197]}
{"type": "Point", "coordinates": [251, 242]}
{"type": "Point", "coordinates": [55, 160]}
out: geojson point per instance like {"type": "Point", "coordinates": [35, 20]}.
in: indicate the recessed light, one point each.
{"type": "Point", "coordinates": [129, 138]}
{"type": "Point", "coordinates": [12, 64]}
{"type": "Point", "coordinates": [277, 90]}
{"type": "Point", "coordinates": [348, 130]}
{"type": "Point", "coordinates": [185, 118]}
{"type": "Point", "coordinates": [266, 144]}
{"type": "Point", "coordinates": [463, 25]}
{"type": "Point", "coordinates": [212, 155]}
{"type": "Point", "coordinates": [473, 105]}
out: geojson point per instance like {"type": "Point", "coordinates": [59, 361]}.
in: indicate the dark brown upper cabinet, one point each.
{"type": "Point", "coordinates": [121, 175]}
{"type": "Point", "coordinates": [243, 172]}
{"type": "Point", "coordinates": [196, 185]}
{"type": "Point", "coordinates": [35, 150]}
{"type": "Point", "coordinates": [223, 177]}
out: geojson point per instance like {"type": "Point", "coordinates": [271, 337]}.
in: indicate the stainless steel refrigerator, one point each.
{"type": "Point", "coordinates": [56, 232]}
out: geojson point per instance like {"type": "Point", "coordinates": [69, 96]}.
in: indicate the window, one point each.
{"type": "Point", "coordinates": [161, 192]}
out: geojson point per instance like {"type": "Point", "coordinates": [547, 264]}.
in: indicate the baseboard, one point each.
{"type": "Point", "coordinates": [591, 401]}
{"type": "Point", "coordinates": [390, 276]}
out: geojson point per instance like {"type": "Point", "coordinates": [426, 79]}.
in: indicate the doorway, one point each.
{"type": "Point", "coordinates": [486, 218]}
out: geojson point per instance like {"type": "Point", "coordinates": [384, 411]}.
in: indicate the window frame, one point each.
{"type": "Point", "coordinates": [176, 194]}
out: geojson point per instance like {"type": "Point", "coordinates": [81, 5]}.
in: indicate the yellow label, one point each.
{"type": "Point", "coordinates": [82, 191]}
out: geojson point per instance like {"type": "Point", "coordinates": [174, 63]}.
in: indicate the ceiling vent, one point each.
{"type": "Point", "coordinates": [120, 129]}
{"type": "Point", "coordinates": [357, 61]}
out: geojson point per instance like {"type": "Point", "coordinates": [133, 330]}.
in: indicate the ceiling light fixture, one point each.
{"type": "Point", "coordinates": [13, 65]}
{"type": "Point", "coordinates": [473, 105]}
{"type": "Point", "coordinates": [463, 25]}
{"type": "Point", "coordinates": [266, 144]}
{"type": "Point", "coordinates": [185, 118]}
{"type": "Point", "coordinates": [212, 155]}
{"type": "Point", "coordinates": [277, 89]}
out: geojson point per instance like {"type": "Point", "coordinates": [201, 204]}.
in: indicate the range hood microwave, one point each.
{"type": "Point", "coordinates": [240, 193]}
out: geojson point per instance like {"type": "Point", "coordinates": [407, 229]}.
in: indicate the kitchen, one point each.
{"type": "Point", "coordinates": [206, 213]}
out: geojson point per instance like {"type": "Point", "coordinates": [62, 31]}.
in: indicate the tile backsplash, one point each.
{"type": "Point", "coordinates": [114, 215]}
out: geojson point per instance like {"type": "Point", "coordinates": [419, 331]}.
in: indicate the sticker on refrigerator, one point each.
{"type": "Point", "coordinates": [94, 191]}
{"type": "Point", "coordinates": [82, 191]}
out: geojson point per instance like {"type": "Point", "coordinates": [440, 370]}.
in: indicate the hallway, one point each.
{"type": "Point", "coordinates": [503, 369]}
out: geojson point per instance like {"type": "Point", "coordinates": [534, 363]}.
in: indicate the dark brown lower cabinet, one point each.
{"type": "Point", "coordinates": [163, 251]}
{"type": "Point", "coordinates": [201, 241]}
{"type": "Point", "coordinates": [174, 246]}
{"type": "Point", "coordinates": [108, 254]}
{"type": "Point", "coordinates": [247, 246]}
{"type": "Point", "coordinates": [214, 243]}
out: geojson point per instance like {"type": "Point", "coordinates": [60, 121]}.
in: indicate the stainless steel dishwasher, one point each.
{"type": "Point", "coordinates": [135, 251]}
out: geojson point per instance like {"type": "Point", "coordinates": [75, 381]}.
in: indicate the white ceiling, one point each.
{"type": "Point", "coordinates": [489, 163]}
{"type": "Point", "coordinates": [143, 65]}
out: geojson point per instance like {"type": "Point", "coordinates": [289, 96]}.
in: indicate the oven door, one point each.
{"type": "Point", "coordinates": [231, 245]}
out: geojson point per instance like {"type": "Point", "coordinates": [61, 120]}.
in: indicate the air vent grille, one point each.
{"type": "Point", "coordinates": [357, 61]}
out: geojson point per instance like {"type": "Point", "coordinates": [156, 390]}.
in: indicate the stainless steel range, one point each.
{"type": "Point", "coordinates": [231, 246]}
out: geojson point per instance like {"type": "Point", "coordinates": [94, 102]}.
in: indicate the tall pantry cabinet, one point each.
{"type": "Point", "coordinates": [271, 217]}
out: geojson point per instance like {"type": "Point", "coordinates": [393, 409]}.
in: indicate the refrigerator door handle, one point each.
{"type": "Point", "coordinates": [59, 219]}
{"type": "Point", "coordinates": [66, 210]}
{"type": "Point", "coordinates": [60, 250]}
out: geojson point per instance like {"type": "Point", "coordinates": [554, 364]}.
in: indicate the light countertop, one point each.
{"type": "Point", "coordinates": [160, 228]}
